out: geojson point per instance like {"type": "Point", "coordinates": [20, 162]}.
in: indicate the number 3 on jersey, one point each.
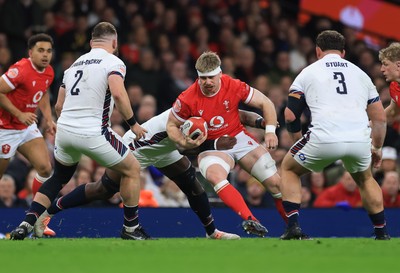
{"type": "Point", "coordinates": [340, 78]}
{"type": "Point", "coordinates": [75, 90]}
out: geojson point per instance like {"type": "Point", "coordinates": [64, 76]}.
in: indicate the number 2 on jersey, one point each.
{"type": "Point", "coordinates": [75, 90]}
{"type": "Point", "coordinates": [340, 78]}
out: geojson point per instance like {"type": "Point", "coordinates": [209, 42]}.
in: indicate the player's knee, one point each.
{"type": "Point", "coordinates": [210, 173]}
{"type": "Point", "coordinates": [188, 182]}
{"type": "Point", "coordinates": [44, 170]}
{"type": "Point", "coordinates": [264, 168]}
{"type": "Point", "coordinates": [62, 174]}
{"type": "Point", "coordinates": [97, 191]}
{"type": "Point", "coordinates": [109, 185]}
{"type": "Point", "coordinates": [273, 185]}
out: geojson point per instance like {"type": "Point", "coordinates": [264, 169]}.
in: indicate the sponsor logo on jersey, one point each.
{"type": "Point", "coordinates": [12, 73]}
{"type": "Point", "coordinates": [5, 148]}
{"type": "Point", "coordinates": [38, 96]}
{"type": "Point", "coordinates": [217, 122]}
{"type": "Point", "coordinates": [33, 83]}
{"type": "Point", "coordinates": [177, 106]}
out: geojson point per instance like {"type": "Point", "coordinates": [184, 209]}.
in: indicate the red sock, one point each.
{"type": "Point", "coordinates": [35, 186]}
{"type": "Point", "coordinates": [281, 210]}
{"type": "Point", "coordinates": [233, 199]}
{"type": "Point", "coordinates": [37, 183]}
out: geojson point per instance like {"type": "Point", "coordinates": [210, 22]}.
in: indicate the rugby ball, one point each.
{"type": "Point", "coordinates": [194, 126]}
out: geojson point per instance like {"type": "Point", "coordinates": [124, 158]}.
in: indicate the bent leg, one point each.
{"type": "Point", "coordinates": [183, 174]}
{"type": "Point", "coordinates": [37, 154]}
{"type": "Point", "coordinates": [372, 198]}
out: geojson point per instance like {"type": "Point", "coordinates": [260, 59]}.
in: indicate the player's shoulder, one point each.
{"type": "Point", "coordinates": [17, 70]}
{"type": "Point", "coordinates": [394, 86]}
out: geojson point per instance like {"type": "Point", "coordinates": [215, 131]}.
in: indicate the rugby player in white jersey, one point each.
{"type": "Point", "coordinates": [347, 116]}
{"type": "Point", "coordinates": [156, 149]}
{"type": "Point", "coordinates": [91, 86]}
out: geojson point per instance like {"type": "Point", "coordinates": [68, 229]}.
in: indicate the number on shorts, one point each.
{"type": "Point", "coordinates": [340, 77]}
{"type": "Point", "coordinates": [75, 90]}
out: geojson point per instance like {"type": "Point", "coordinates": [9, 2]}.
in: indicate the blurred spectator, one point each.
{"type": "Point", "coordinates": [256, 194]}
{"type": "Point", "coordinates": [282, 67]}
{"type": "Point", "coordinates": [389, 163]}
{"type": "Point", "coordinates": [344, 194]}
{"type": "Point", "coordinates": [26, 193]}
{"type": "Point", "coordinates": [171, 195]}
{"type": "Point", "coordinates": [77, 39]}
{"type": "Point", "coordinates": [390, 188]}
{"type": "Point", "coordinates": [119, 129]}
{"type": "Point", "coordinates": [306, 201]}
{"type": "Point", "coordinates": [147, 108]}
{"type": "Point", "coordinates": [8, 199]}
{"type": "Point", "coordinates": [146, 198]}
{"type": "Point", "coordinates": [64, 16]}
{"type": "Point", "coordinates": [145, 73]}
{"type": "Point", "coordinates": [5, 59]}
{"type": "Point", "coordinates": [317, 185]}
{"type": "Point", "coordinates": [135, 94]}
{"type": "Point", "coordinates": [19, 168]}
{"type": "Point", "coordinates": [82, 176]}
{"type": "Point", "coordinates": [174, 85]}
{"type": "Point", "coordinates": [19, 19]}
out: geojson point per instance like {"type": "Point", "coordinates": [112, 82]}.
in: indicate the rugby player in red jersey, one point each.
{"type": "Point", "coordinates": [216, 97]}
{"type": "Point", "coordinates": [23, 89]}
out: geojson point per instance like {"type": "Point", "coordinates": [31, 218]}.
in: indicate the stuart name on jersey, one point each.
{"type": "Point", "coordinates": [335, 64]}
{"type": "Point", "coordinates": [87, 62]}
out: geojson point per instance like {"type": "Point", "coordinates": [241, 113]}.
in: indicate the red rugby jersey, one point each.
{"type": "Point", "coordinates": [29, 86]}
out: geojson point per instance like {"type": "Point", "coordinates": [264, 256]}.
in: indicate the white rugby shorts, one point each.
{"type": "Point", "coordinates": [11, 139]}
{"type": "Point", "coordinates": [356, 156]}
{"type": "Point", "coordinates": [69, 148]}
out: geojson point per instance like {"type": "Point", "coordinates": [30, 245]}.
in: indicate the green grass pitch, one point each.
{"type": "Point", "coordinates": [191, 255]}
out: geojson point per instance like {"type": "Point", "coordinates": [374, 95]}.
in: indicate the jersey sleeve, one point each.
{"type": "Point", "coordinates": [180, 109]}
{"type": "Point", "coordinates": [373, 94]}
{"type": "Point", "coordinates": [117, 67]}
{"type": "Point", "coordinates": [243, 90]}
{"type": "Point", "coordinates": [14, 76]}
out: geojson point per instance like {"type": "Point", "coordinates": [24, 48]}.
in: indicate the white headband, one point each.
{"type": "Point", "coordinates": [211, 73]}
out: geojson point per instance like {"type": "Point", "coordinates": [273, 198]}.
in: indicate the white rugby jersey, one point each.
{"type": "Point", "coordinates": [337, 93]}
{"type": "Point", "coordinates": [88, 102]}
{"type": "Point", "coordinates": [156, 138]}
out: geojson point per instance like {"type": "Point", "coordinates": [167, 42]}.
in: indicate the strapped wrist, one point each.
{"type": "Point", "coordinates": [131, 121]}
{"type": "Point", "coordinates": [270, 129]}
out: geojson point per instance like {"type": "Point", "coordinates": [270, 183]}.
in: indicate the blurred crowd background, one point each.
{"type": "Point", "coordinates": [264, 43]}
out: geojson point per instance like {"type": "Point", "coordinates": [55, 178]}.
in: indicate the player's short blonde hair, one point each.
{"type": "Point", "coordinates": [207, 62]}
{"type": "Point", "coordinates": [391, 53]}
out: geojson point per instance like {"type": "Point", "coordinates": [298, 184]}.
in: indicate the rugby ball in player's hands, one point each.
{"type": "Point", "coordinates": [194, 126]}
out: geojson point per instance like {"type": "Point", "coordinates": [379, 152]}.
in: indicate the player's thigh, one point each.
{"type": "Point", "coordinates": [68, 147]}
{"type": "Point", "coordinates": [3, 165]}
{"type": "Point", "coordinates": [316, 156]}
{"type": "Point", "coordinates": [111, 151]}
{"type": "Point", "coordinates": [358, 157]}
{"type": "Point", "coordinates": [36, 152]}
{"type": "Point", "coordinates": [128, 166]}
{"type": "Point", "coordinates": [176, 168]}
